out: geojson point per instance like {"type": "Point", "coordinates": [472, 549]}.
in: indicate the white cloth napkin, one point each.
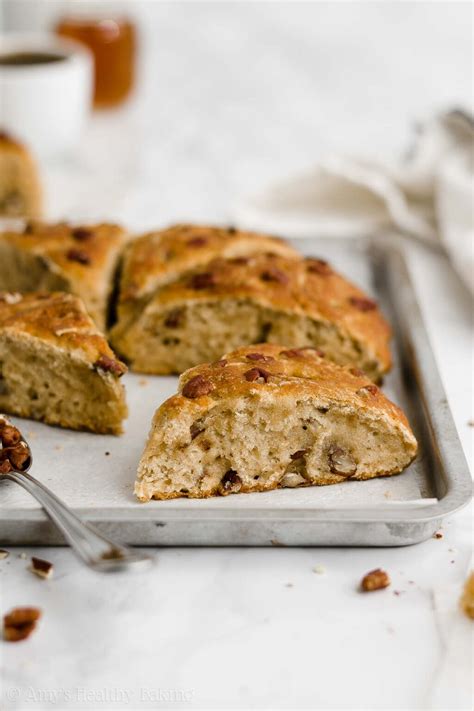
{"type": "Point", "coordinates": [429, 195]}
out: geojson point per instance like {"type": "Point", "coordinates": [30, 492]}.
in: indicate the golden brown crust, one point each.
{"type": "Point", "coordinates": [158, 257]}
{"type": "Point", "coordinates": [60, 320]}
{"type": "Point", "coordinates": [306, 287]}
{"type": "Point", "coordinates": [85, 256]}
{"type": "Point", "coordinates": [294, 370]}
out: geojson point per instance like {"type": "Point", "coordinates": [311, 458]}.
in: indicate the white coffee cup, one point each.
{"type": "Point", "coordinates": [45, 104]}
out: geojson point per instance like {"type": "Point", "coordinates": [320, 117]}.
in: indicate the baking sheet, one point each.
{"type": "Point", "coordinates": [95, 474]}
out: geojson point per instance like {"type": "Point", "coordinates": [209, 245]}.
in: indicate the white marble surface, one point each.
{"type": "Point", "coordinates": [234, 95]}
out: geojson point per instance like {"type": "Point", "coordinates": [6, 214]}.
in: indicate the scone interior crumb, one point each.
{"type": "Point", "coordinates": [254, 444]}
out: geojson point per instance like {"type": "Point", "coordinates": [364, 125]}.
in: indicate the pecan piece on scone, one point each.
{"type": "Point", "coordinates": [276, 275]}
{"type": "Point", "coordinates": [318, 266]}
{"type": "Point", "coordinates": [78, 255]}
{"type": "Point", "coordinates": [341, 462]}
{"type": "Point", "coordinates": [204, 280]}
{"type": "Point", "coordinates": [231, 482]}
{"type": "Point", "coordinates": [362, 303]}
{"type": "Point", "coordinates": [19, 623]}
{"type": "Point", "coordinates": [110, 365]}
{"type": "Point", "coordinates": [197, 387]}
{"type": "Point", "coordinates": [257, 375]}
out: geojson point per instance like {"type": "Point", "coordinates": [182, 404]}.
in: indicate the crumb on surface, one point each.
{"type": "Point", "coordinates": [319, 569]}
{"type": "Point", "coordinates": [438, 534]}
{"type": "Point", "coordinates": [143, 382]}
{"type": "Point", "coordinates": [107, 454]}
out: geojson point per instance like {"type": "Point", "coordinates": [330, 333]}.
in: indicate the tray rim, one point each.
{"type": "Point", "coordinates": [437, 415]}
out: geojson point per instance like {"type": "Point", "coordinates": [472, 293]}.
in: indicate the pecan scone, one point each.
{"type": "Point", "coordinates": [79, 259]}
{"type": "Point", "coordinates": [178, 308]}
{"type": "Point", "coordinates": [20, 187]}
{"type": "Point", "coordinates": [267, 417]}
{"type": "Point", "coordinates": [55, 366]}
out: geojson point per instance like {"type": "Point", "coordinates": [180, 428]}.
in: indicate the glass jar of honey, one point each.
{"type": "Point", "coordinates": [111, 37]}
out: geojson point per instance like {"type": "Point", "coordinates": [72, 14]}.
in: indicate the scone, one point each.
{"type": "Point", "coordinates": [55, 366]}
{"type": "Point", "coordinates": [163, 256]}
{"type": "Point", "coordinates": [58, 257]}
{"type": "Point", "coordinates": [236, 301]}
{"type": "Point", "coordinates": [20, 187]}
{"type": "Point", "coordinates": [265, 417]}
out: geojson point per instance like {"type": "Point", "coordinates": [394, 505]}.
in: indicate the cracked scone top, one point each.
{"type": "Point", "coordinates": [55, 366]}
{"type": "Point", "coordinates": [80, 259]}
{"type": "Point", "coordinates": [266, 417]}
{"type": "Point", "coordinates": [196, 314]}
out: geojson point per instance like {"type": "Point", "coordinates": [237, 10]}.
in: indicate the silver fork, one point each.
{"type": "Point", "coordinates": [94, 549]}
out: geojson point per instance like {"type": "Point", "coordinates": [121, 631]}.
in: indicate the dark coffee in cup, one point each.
{"type": "Point", "coordinates": [26, 59]}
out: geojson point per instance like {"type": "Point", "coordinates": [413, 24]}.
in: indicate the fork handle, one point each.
{"type": "Point", "coordinates": [94, 549]}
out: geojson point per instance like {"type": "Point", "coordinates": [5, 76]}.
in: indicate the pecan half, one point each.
{"type": "Point", "coordinates": [5, 466]}
{"type": "Point", "coordinates": [375, 580]}
{"type": "Point", "coordinates": [19, 623]}
{"type": "Point", "coordinates": [298, 455]}
{"type": "Point", "coordinates": [231, 482]}
{"type": "Point", "coordinates": [19, 456]}
{"type": "Point", "coordinates": [341, 462]}
{"type": "Point", "coordinates": [195, 430]}
{"type": "Point", "coordinates": [301, 352]}
{"type": "Point", "coordinates": [204, 280]}
{"type": "Point", "coordinates": [257, 375]}
{"type": "Point", "coordinates": [110, 365]}
{"type": "Point", "coordinates": [362, 303]}
{"type": "Point", "coordinates": [318, 266]}
{"type": "Point", "coordinates": [78, 255]}
{"type": "Point", "coordinates": [276, 275]}
{"type": "Point", "coordinates": [290, 480]}
{"type": "Point", "coordinates": [259, 356]}
{"type": "Point", "coordinates": [197, 387]}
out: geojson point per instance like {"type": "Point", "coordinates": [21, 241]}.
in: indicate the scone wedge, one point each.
{"type": "Point", "coordinates": [233, 301]}
{"type": "Point", "coordinates": [267, 417]}
{"type": "Point", "coordinates": [79, 259]}
{"type": "Point", "coordinates": [55, 366]}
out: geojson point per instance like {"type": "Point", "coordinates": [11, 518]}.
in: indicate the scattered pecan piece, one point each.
{"type": "Point", "coordinates": [258, 375]}
{"type": "Point", "coordinates": [375, 580]}
{"type": "Point", "coordinates": [204, 280]}
{"type": "Point", "coordinates": [259, 356]}
{"type": "Point", "coordinates": [110, 365]}
{"type": "Point", "coordinates": [197, 386]}
{"type": "Point", "coordinates": [173, 319]}
{"type": "Point", "coordinates": [341, 462]}
{"type": "Point", "coordinates": [42, 568]}
{"type": "Point", "coordinates": [78, 255]}
{"type": "Point", "coordinates": [231, 482]}
{"type": "Point", "coordinates": [19, 623]}
{"type": "Point", "coordinates": [81, 234]}
{"type": "Point", "coordinates": [274, 274]}
{"type": "Point", "coordinates": [362, 303]}
{"type": "Point", "coordinates": [318, 266]}
{"type": "Point", "coordinates": [197, 242]}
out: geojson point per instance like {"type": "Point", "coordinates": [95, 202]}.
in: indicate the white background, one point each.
{"type": "Point", "coordinates": [232, 96]}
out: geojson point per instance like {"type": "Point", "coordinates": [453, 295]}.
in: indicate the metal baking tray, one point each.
{"type": "Point", "coordinates": [94, 474]}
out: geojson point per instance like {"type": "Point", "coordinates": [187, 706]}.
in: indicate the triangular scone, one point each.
{"type": "Point", "coordinates": [55, 366]}
{"type": "Point", "coordinates": [265, 417]}
{"type": "Point", "coordinates": [232, 302]}
{"type": "Point", "coordinates": [59, 257]}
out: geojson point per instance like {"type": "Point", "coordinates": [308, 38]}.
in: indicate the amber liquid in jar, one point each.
{"type": "Point", "coordinates": [113, 44]}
